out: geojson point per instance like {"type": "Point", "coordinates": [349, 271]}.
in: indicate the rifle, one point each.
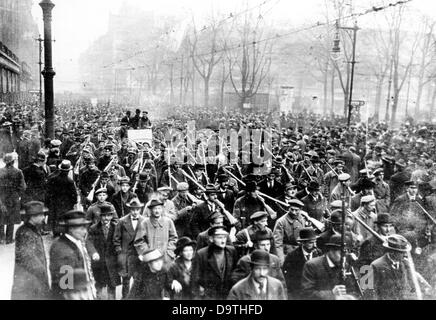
{"type": "Point", "coordinates": [91, 193]}
{"type": "Point", "coordinates": [319, 225]}
{"type": "Point", "coordinates": [79, 161]}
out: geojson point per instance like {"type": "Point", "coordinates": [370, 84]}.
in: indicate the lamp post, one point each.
{"type": "Point", "coordinates": [336, 50]}
{"type": "Point", "coordinates": [48, 73]}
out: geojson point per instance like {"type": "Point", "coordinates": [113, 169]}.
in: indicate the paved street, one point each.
{"type": "Point", "coordinates": [7, 256]}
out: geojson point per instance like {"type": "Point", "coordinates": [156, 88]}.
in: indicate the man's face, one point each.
{"type": "Point", "coordinates": [147, 171]}
{"type": "Point", "coordinates": [102, 196]}
{"type": "Point", "coordinates": [224, 184]}
{"type": "Point", "coordinates": [260, 273]}
{"type": "Point", "coordinates": [198, 173]}
{"type": "Point", "coordinates": [271, 177]}
{"type": "Point", "coordinates": [339, 168]}
{"type": "Point", "coordinates": [157, 211]}
{"type": "Point", "coordinates": [291, 192]}
{"type": "Point", "coordinates": [385, 229]}
{"type": "Point", "coordinates": [107, 152]}
{"type": "Point", "coordinates": [78, 232]}
{"type": "Point", "coordinates": [380, 176]}
{"type": "Point", "coordinates": [104, 180]}
{"type": "Point", "coordinates": [188, 253]}
{"type": "Point", "coordinates": [412, 191]}
{"type": "Point", "coordinates": [184, 194]}
{"type": "Point", "coordinates": [261, 223]}
{"type": "Point", "coordinates": [37, 220]}
{"type": "Point", "coordinates": [264, 245]}
{"type": "Point", "coordinates": [125, 187]}
{"type": "Point", "coordinates": [370, 207]}
{"type": "Point", "coordinates": [294, 211]}
{"type": "Point", "coordinates": [334, 254]}
{"type": "Point", "coordinates": [397, 256]}
{"type": "Point", "coordinates": [156, 265]}
{"type": "Point", "coordinates": [164, 195]}
{"type": "Point", "coordinates": [135, 212]}
{"type": "Point", "coordinates": [106, 218]}
{"type": "Point", "coordinates": [212, 197]}
{"type": "Point", "coordinates": [308, 245]}
{"type": "Point", "coordinates": [219, 240]}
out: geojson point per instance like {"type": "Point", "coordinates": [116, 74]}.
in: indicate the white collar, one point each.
{"type": "Point", "coordinates": [78, 243]}
{"type": "Point", "coordinates": [330, 262]}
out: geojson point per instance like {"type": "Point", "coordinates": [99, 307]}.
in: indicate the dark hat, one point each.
{"type": "Point", "coordinates": [74, 218]}
{"type": "Point", "coordinates": [278, 161]}
{"type": "Point", "coordinates": [336, 217]}
{"type": "Point", "coordinates": [261, 235]}
{"type": "Point", "coordinates": [182, 243]}
{"type": "Point", "coordinates": [108, 147]}
{"type": "Point", "coordinates": [251, 186]}
{"type": "Point", "coordinates": [336, 240]}
{"type": "Point", "coordinates": [135, 203]}
{"type": "Point", "coordinates": [222, 178]}
{"type": "Point", "coordinates": [313, 186]}
{"type": "Point", "coordinates": [104, 174]}
{"type": "Point", "coordinates": [411, 184]}
{"type": "Point", "coordinates": [383, 218]}
{"type": "Point", "coordinates": [217, 230]}
{"type": "Point", "coordinates": [9, 157]}
{"type": "Point", "coordinates": [258, 215]}
{"type": "Point", "coordinates": [398, 243]}
{"type": "Point", "coordinates": [143, 176]}
{"type": "Point", "coordinates": [155, 203]}
{"type": "Point", "coordinates": [259, 258]}
{"type": "Point", "coordinates": [199, 166]}
{"type": "Point", "coordinates": [295, 203]}
{"type": "Point", "coordinates": [65, 165]}
{"type": "Point", "coordinates": [34, 208]}
{"type": "Point", "coordinates": [306, 234]}
{"type": "Point", "coordinates": [107, 210]}
{"type": "Point", "coordinates": [365, 184]}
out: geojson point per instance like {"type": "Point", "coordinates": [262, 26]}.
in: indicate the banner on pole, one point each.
{"type": "Point", "coordinates": [144, 135]}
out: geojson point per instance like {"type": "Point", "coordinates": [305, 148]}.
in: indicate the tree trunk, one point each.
{"type": "Point", "coordinates": [433, 100]}
{"type": "Point", "coordinates": [206, 93]}
{"type": "Point", "coordinates": [325, 87]}
{"type": "Point", "coordinates": [377, 103]}
{"type": "Point", "coordinates": [332, 88]}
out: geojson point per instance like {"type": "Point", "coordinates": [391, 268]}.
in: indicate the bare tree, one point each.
{"type": "Point", "coordinates": [250, 63]}
{"type": "Point", "coordinates": [205, 53]}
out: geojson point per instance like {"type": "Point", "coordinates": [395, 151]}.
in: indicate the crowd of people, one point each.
{"type": "Point", "coordinates": [336, 212]}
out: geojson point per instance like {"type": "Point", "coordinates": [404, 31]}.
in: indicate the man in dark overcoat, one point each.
{"type": "Point", "coordinates": [105, 269]}
{"type": "Point", "coordinates": [12, 187]}
{"type": "Point", "coordinates": [31, 281]}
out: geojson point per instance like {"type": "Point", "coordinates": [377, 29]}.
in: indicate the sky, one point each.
{"type": "Point", "coordinates": [77, 23]}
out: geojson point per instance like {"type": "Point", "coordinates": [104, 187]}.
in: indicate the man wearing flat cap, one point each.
{"type": "Point", "coordinates": [331, 177]}
{"type": "Point", "coordinates": [213, 265]}
{"type": "Point", "coordinates": [258, 285]}
{"type": "Point", "coordinates": [372, 248]}
{"type": "Point", "coordinates": [409, 219]}
{"type": "Point", "coordinates": [287, 229]}
{"type": "Point", "coordinates": [156, 232]}
{"type": "Point", "coordinates": [215, 219]}
{"type": "Point", "coordinates": [31, 281]}
{"type": "Point", "coordinates": [343, 187]}
{"type": "Point", "coordinates": [72, 251]}
{"type": "Point", "coordinates": [123, 197]}
{"type": "Point", "coordinates": [184, 205]}
{"type": "Point", "coordinates": [382, 191]}
{"type": "Point", "coordinates": [12, 187]}
{"type": "Point", "coordinates": [365, 212]}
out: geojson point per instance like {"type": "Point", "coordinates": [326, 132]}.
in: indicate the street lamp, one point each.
{"type": "Point", "coordinates": [48, 73]}
{"type": "Point", "coordinates": [335, 52]}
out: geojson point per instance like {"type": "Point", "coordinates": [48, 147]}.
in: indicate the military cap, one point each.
{"type": "Point", "coordinates": [258, 215]}
{"type": "Point", "coordinates": [217, 231]}
{"type": "Point", "coordinates": [215, 215]}
{"type": "Point", "coordinates": [182, 186]}
{"type": "Point", "coordinates": [295, 203]}
{"type": "Point", "coordinates": [383, 218]}
{"type": "Point", "coordinates": [123, 180]}
{"type": "Point", "coordinates": [411, 184]}
{"type": "Point", "coordinates": [344, 177]}
{"type": "Point", "coordinates": [56, 143]}
{"type": "Point", "coordinates": [367, 199]}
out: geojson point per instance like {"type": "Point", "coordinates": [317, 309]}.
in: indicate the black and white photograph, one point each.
{"type": "Point", "coordinates": [228, 152]}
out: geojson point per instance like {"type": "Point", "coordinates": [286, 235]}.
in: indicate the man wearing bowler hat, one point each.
{"type": "Point", "coordinates": [61, 194]}
{"type": "Point", "coordinates": [101, 236]}
{"type": "Point", "coordinates": [287, 228]}
{"type": "Point", "coordinates": [321, 279]}
{"type": "Point", "coordinates": [295, 260]}
{"type": "Point", "coordinates": [258, 285]}
{"type": "Point", "coordinates": [72, 251]}
{"type": "Point", "coordinates": [31, 281]}
{"type": "Point", "coordinates": [124, 236]}
{"type": "Point", "coordinates": [391, 275]}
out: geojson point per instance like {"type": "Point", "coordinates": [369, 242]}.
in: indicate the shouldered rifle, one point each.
{"type": "Point", "coordinates": [91, 193]}
{"type": "Point", "coordinates": [319, 225]}
{"type": "Point", "coordinates": [79, 161]}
